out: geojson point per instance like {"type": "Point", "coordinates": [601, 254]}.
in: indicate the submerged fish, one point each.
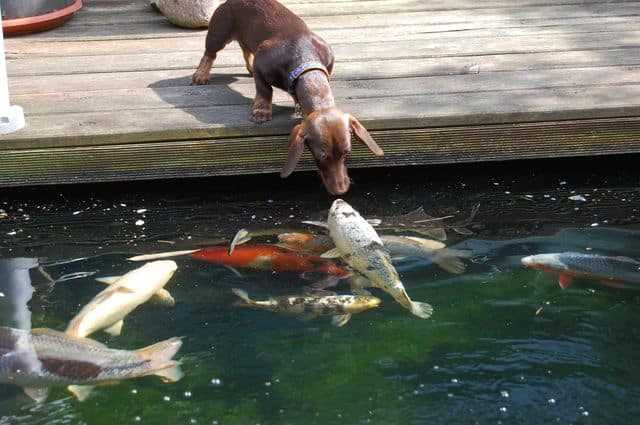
{"type": "Point", "coordinates": [417, 221]}
{"type": "Point", "coordinates": [306, 242]}
{"type": "Point", "coordinates": [610, 271]}
{"type": "Point", "coordinates": [270, 257]}
{"type": "Point", "coordinates": [360, 246]}
{"type": "Point", "coordinates": [43, 358]}
{"type": "Point", "coordinates": [341, 307]}
{"type": "Point", "coordinates": [397, 246]}
{"type": "Point", "coordinates": [108, 309]}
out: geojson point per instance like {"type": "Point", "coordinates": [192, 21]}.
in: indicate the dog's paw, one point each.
{"type": "Point", "coordinates": [200, 78]}
{"type": "Point", "coordinates": [260, 115]}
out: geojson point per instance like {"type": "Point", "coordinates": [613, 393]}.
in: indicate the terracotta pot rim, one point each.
{"type": "Point", "coordinates": [19, 24]}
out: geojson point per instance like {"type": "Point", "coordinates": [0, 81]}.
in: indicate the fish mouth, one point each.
{"type": "Point", "coordinates": [527, 261]}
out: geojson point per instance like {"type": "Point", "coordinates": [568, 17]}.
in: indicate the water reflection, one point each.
{"type": "Point", "coordinates": [17, 355]}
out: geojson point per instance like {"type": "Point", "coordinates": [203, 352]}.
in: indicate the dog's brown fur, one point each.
{"type": "Point", "coordinates": [274, 42]}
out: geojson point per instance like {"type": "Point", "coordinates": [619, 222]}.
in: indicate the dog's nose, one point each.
{"type": "Point", "coordinates": [339, 187]}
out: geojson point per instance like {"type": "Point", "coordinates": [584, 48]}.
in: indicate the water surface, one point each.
{"type": "Point", "coordinates": [505, 345]}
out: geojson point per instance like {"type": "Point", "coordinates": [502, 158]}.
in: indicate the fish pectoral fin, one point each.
{"type": "Point", "coordinates": [108, 280]}
{"type": "Point", "coordinates": [37, 394]}
{"type": "Point", "coordinates": [360, 292]}
{"type": "Point", "coordinates": [242, 236]}
{"type": "Point", "coordinates": [322, 224]}
{"type": "Point", "coordinates": [340, 320]}
{"type": "Point", "coordinates": [374, 221]}
{"type": "Point", "coordinates": [243, 295]}
{"type": "Point", "coordinates": [115, 329]}
{"type": "Point", "coordinates": [171, 374]}
{"type": "Point", "coordinates": [80, 392]}
{"type": "Point", "coordinates": [159, 255]}
{"type": "Point", "coordinates": [332, 253]}
{"type": "Point", "coordinates": [422, 310]}
{"type": "Point", "coordinates": [328, 282]}
{"type": "Point", "coordinates": [564, 280]}
{"type": "Point", "coordinates": [233, 270]}
{"type": "Point", "coordinates": [163, 297]}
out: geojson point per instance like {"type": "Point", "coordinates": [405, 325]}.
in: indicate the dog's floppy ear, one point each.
{"type": "Point", "coordinates": [296, 147]}
{"type": "Point", "coordinates": [363, 135]}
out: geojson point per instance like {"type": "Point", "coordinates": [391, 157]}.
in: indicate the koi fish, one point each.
{"type": "Point", "coordinates": [340, 307]}
{"type": "Point", "coordinates": [360, 246]}
{"type": "Point", "coordinates": [271, 258]}
{"type": "Point", "coordinates": [107, 310]}
{"type": "Point", "coordinates": [42, 358]}
{"type": "Point", "coordinates": [610, 271]}
{"type": "Point", "coordinates": [398, 247]}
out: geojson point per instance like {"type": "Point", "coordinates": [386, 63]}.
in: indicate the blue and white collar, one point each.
{"type": "Point", "coordinates": [293, 76]}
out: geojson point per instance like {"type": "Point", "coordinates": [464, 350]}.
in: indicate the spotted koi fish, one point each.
{"type": "Point", "coordinates": [341, 307]}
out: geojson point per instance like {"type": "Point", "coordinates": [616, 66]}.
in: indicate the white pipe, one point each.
{"type": "Point", "coordinates": [11, 117]}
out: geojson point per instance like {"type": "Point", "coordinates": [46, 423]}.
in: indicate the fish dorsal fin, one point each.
{"type": "Point", "coordinates": [80, 392]}
{"type": "Point", "coordinates": [58, 334]}
{"type": "Point", "coordinates": [437, 233]}
{"type": "Point", "coordinates": [37, 394]}
{"type": "Point", "coordinates": [332, 253]}
{"type": "Point", "coordinates": [322, 224]}
{"type": "Point", "coordinates": [417, 213]}
{"type": "Point", "coordinates": [115, 329]}
{"type": "Point", "coordinates": [242, 236]}
{"type": "Point", "coordinates": [340, 320]}
{"type": "Point", "coordinates": [108, 280]}
{"type": "Point", "coordinates": [163, 297]}
{"type": "Point", "coordinates": [564, 280]}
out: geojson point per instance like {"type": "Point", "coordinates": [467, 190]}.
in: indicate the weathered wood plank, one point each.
{"type": "Point", "coordinates": [34, 48]}
{"type": "Point", "coordinates": [455, 109]}
{"type": "Point", "coordinates": [242, 92]}
{"type": "Point", "coordinates": [17, 65]}
{"type": "Point", "coordinates": [318, 15]}
{"type": "Point", "coordinates": [461, 29]}
{"type": "Point", "coordinates": [365, 7]}
{"type": "Point", "coordinates": [400, 68]}
{"type": "Point", "coordinates": [266, 154]}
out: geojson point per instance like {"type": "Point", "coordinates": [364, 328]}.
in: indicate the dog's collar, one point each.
{"type": "Point", "coordinates": [293, 76]}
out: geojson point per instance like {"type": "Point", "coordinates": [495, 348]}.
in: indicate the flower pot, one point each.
{"type": "Point", "coordinates": [27, 16]}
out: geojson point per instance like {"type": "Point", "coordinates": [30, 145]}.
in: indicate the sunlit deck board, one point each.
{"type": "Point", "coordinates": [107, 96]}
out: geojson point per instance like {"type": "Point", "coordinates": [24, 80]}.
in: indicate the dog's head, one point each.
{"type": "Point", "coordinates": [327, 134]}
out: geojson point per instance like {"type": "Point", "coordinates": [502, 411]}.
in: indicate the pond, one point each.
{"type": "Point", "coordinates": [505, 344]}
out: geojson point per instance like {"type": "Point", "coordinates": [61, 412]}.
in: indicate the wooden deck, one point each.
{"type": "Point", "coordinates": [107, 96]}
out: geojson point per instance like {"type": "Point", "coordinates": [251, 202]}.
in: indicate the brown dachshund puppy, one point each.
{"type": "Point", "coordinates": [280, 51]}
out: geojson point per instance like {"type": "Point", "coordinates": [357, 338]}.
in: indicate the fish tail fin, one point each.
{"type": "Point", "coordinates": [450, 264]}
{"type": "Point", "coordinates": [422, 310]}
{"type": "Point", "coordinates": [160, 355]}
{"type": "Point", "coordinates": [243, 295]}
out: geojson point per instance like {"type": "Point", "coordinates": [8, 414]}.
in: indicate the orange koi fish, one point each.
{"type": "Point", "coordinates": [271, 258]}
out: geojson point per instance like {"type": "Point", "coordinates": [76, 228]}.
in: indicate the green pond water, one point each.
{"type": "Point", "coordinates": [505, 344]}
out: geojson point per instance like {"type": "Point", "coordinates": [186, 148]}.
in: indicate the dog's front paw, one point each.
{"type": "Point", "coordinates": [200, 78]}
{"type": "Point", "coordinates": [260, 115]}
